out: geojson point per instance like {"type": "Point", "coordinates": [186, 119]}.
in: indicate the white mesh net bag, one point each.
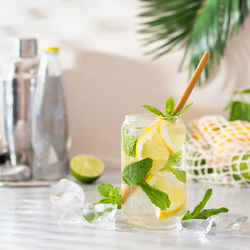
{"type": "Point", "coordinates": [218, 151]}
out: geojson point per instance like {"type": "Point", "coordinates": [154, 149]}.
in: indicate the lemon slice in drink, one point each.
{"type": "Point", "coordinates": [172, 133]}
{"type": "Point", "coordinates": [86, 168]}
{"type": "Point", "coordinates": [167, 182]}
{"type": "Point", "coordinates": [174, 209]}
{"type": "Point", "coordinates": [150, 144]}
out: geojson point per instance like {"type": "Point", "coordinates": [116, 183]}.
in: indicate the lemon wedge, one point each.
{"type": "Point", "coordinates": [172, 133]}
{"type": "Point", "coordinates": [176, 190]}
{"type": "Point", "coordinates": [175, 209]}
{"type": "Point", "coordinates": [150, 144]}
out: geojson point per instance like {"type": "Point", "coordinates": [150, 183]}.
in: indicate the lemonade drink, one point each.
{"type": "Point", "coordinates": [162, 140]}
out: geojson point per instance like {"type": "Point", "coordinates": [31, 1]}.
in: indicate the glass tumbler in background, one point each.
{"type": "Point", "coordinates": [158, 138]}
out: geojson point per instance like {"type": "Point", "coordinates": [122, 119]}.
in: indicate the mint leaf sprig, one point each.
{"type": "Point", "coordinates": [200, 213]}
{"type": "Point", "coordinates": [128, 143]}
{"type": "Point", "coordinates": [135, 173]}
{"type": "Point", "coordinates": [169, 109]}
{"type": "Point", "coordinates": [171, 162]}
{"type": "Point", "coordinates": [111, 195]}
{"type": "Point", "coordinates": [157, 197]}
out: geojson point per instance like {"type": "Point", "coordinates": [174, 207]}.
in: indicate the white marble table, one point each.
{"type": "Point", "coordinates": [27, 222]}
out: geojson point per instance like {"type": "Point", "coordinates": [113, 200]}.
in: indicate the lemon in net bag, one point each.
{"type": "Point", "coordinates": [218, 151]}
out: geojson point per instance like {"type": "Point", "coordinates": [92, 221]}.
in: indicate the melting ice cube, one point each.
{"type": "Point", "coordinates": [99, 213]}
{"type": "Point", "coordinates": [227, 222]}
{"type": "Point", "coordinates": [197, 226]}
{"type": "Point", "coordinates": [66, 193]}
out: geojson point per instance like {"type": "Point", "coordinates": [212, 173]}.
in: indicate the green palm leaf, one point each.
{"type": "Point", "coordinates": [199, 25]}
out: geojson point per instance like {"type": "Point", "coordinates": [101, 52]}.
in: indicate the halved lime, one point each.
{"type": "Point", "coordinates": [86, 168]}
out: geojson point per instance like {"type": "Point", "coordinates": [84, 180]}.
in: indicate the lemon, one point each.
{"type": "Point", "coordinates": [150, 144]}
{"type": "Point", "coordinates": [86, 168]}
{"type": "Point", "coordinates": [236, 133]}
{"type": "Point", "coordinates": [126, 191]}
{"type": "Point", "coordinates": [176, 190]}
{"type": "Point", "coordinates": [172, 133]}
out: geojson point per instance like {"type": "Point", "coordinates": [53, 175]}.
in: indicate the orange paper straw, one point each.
{"type": "Point", "coordinates": [192, 82]}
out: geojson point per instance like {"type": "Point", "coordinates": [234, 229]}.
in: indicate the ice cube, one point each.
{"type": "Point", "coordinates": [67, 199]}
{"type": "Point", "coordinates": [66, 193]}
{"type": "Point", "coordinates": [227, 222]}
{"type": "Point", "coordinates": [99, 214]}
{"type": "Point", "coordinates": [197, 226]}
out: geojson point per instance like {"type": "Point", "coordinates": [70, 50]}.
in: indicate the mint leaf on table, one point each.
{"type": "Point", "coordinates": [110, 193]}
{"type": "Point", "coordinates": [128, 143]}
{"type": "Point", "coordinates": [157, 197]}
{"type": "Point", "coordinates": [115, 191]}
{"type": "Point", "coordinates": [198, 213]}
{"type": "Point", "coordinates": [111, 200]}
{"type": "Point", "coordinates": [172, 161]}
{"type": "Point", "coordinates": [118, 201]}
{"type": "Point", "coordinates": [105, 189]}
{"type": "Point", "coordinates": [169, 107]}
{"type": "Point", "coordinates": [200, 206]}
{"type": "Point", "coordinates": [153, 110]}
{"type": "Point", "coordinates": [136, 172]}
{"type": "Point", "coordinates": [108, 200]}
{"type": "Point", "coordinates": [205, 213]}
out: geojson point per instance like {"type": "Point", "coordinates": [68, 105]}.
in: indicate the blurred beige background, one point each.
{"type": "Point", "coordinates": [105, 71]}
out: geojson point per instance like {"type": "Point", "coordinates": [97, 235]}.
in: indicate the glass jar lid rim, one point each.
{"type": "Point", "coordinates": [148, 115]}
